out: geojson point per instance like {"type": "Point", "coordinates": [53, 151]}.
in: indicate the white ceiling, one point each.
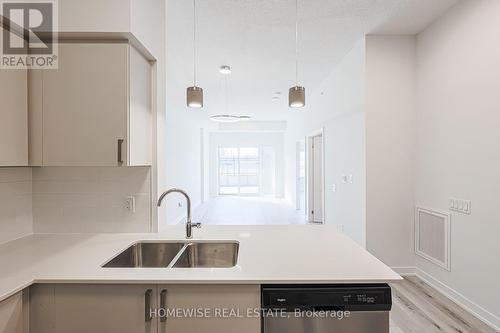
{"type": "Point", "coordinates": [256, 38]}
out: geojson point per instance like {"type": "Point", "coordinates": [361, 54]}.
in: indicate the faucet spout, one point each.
{"type": "Point", "coordinates": [189, 224]}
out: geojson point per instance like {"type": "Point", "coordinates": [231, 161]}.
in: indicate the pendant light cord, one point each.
{"type": "Point", "coordinates": [227, 94]}
{"type": "Point", "coordinates": [194, 43]}
{"type": "Point", "coordinates": [296, 42]}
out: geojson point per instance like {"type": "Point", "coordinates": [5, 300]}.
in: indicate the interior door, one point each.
{"type": "Point", "coordinates": [317, 179]}
{"type": "Point", "coordinates": [85, 106]}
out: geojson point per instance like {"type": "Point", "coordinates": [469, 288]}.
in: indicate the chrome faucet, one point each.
{"type": "Point", "coordinates": [189, 224]}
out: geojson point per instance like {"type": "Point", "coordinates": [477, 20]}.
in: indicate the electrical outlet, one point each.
{"type": "Point", "coordinates": [130, 204]}
{"type": "Point", "coordinates": [460, 206]}
{"type": "Point", "coordinates": [334, 188]}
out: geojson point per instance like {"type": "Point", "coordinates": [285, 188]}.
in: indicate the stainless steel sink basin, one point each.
{"type": "Point", "coordinates": [177, 255]}
{"type": "Point", "coordinates": [145, 254]}
{"type": "Point", "coordinates": [208, 255]}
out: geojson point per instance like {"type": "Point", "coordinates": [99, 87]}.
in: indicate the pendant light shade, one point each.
{"type": "Point", "coordinates": [194, 94]}
{"type": "Point", "coordinates": [297, 97]}
{"type": "Point", "coordinates": [194, 97]}
{"type": "Point", "coordinates": [297, 94]}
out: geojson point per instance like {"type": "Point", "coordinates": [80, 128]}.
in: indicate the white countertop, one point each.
{"type": "Point", "coordinates": [267, 254]}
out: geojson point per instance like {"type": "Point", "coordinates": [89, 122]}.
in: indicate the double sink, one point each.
{"type": "Point", "coordinates": [177, 255]}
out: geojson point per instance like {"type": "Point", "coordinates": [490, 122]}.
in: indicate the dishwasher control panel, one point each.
{"type": "Point", "coordinates": [362, 297]}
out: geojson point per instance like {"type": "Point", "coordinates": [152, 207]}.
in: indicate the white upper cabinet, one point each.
{"type": "Point", "coordinates": [95, 110]}
{"type": "Point", "coordinates": [13, 117]}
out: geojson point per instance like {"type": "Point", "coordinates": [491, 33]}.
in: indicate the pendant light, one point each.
{"type": "Point", "coordinates": [228, 118]}
{"type": "Point", "coordinates": [194, 94]}
{"type": "Point", "coordinates": [225, 70]}
{"type": "Point", "coordinates": [297, 94]}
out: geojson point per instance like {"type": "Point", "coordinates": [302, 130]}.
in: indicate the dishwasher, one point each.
{"type": "Point", "coordinates": [337, 308]}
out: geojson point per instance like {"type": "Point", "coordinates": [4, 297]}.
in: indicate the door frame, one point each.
{"type": "Point", "coordinates": [310, 174]}
{"type": "Point", "coordinates": [298, 196]}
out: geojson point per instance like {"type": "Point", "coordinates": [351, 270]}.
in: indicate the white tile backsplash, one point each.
{"type": "Point", "coordinates": [15, 203]}
{"type": "Point", "coordinates": [91, 199]}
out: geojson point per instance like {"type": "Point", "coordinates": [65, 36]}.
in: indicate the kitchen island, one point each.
{"type": "Point", "coordinates": [71, 264]}
{"type": "Point", "coordinates": [267, 254]}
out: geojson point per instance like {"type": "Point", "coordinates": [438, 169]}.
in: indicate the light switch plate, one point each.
{"type": "Point", "coordinates": [460, 206]}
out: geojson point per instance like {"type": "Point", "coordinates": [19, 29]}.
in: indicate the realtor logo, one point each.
{"type": "Point", "coordinates": [28, 34]}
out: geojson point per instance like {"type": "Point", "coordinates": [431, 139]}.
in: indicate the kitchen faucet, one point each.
{"type": "Point", "coordinates": [189, 224]}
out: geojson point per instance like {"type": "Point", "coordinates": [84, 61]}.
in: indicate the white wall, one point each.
{"type": "Point", "coordinates": [344, 155]}
{"type": "Point", "coordinates": [458, 151]}
{"type": "Point", "coordinates": [390, 147]}
{"type": "Point", "coordinates": [247, 139]}
{"type": "Point", "coordinates": [183, 168]}
{"type": "Point", "coordinates": [15, 203]}
{"type": "Point", "coordinates": [94, 15]}
{"type": "Point", "coordinates": [141, 17]}
{"type": "Point", "coordinates": [338, 107]}
{"type": "Point", "coordinates": [91, 200]}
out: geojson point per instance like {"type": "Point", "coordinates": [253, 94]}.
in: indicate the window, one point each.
{"type": "Point", "coordinates": [239, 171]}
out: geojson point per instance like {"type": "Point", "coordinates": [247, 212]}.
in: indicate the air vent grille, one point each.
{"type": "Point", "coordinates": [432, 236]}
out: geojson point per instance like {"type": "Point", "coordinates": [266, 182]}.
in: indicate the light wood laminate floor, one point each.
{"type": "Point", "coordinates": [418, 308]}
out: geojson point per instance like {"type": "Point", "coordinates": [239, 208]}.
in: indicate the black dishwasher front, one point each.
{"type": "Point", "coordinates": [338, 308]}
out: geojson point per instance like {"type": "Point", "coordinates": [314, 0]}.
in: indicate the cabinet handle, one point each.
{"type": "Point", "coordinates": [163, 305]}
{"type": "Point", "coordinates": [120, 148]}
{"type": "Point", "coordinates": [147, 305]}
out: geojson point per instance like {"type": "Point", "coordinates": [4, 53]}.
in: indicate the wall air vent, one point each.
{"type": "Point", "coordinates": [432, 236]}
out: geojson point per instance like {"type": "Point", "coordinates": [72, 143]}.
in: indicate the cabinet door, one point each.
{"type": "Point", "coordinates": [85, 106]}
{"type": "Point", "coordinates": [94, 308]}
{"type": "Point", "coordinates": [13, 117]}
{"type": "Point", "coordinates": [11, 314]}
{"type": "Point", "coordinates": [223, 302]}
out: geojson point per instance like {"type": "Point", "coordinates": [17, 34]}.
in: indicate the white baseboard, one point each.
{"type": "Point", "coordinates": [405, 271]}
{"type": "Point", "coordinates": [484, 315]}
{"type": "Point", "coordinates": [479, 312]}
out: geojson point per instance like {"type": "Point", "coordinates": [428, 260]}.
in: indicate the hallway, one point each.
{"type": "Point", "coordinates": [233, 210]}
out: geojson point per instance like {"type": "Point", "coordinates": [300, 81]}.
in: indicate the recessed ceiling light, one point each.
{"type": "Point", "coordinates": [225, 70]}
{"type": "Point", "coordinates": [227, 118]}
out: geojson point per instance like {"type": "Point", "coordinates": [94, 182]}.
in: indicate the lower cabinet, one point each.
{"type": "Point", "coordinates": [70, 308]}
{"type": "Point", "coordinates": [83, 308]}
{"type": "Point", "coordinates": [13, 315]}
{"type": "Point", "coordinates": [219, 308]}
